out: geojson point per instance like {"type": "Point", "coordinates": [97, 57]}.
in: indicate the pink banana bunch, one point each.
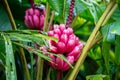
{"type": "Point", "coordinates": [68, 45]}
{"type": "Point", "coordinates": [34, 18]}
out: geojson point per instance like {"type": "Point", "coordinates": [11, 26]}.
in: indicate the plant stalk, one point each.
{"type": "Point", "coordinates": [21, 51]}
{"type": "Point", "coordinates": [40, 60]}
{"type": "Point", "coordinates": [39, 68]}
{"type": "Point", "coordinates": [9, 14]}
{"type": "Point", "coordinates": [51, 20]}
{"type": "Point", "coordinates": [110, 13]}
{"type": "Point", "coordinates": [95, 41]}
{"type": "Point", "coordinates": [24, 63]}
{"type": "Point", "coordinates": [48, 75]}
{"type": "Point", "coordinates": [45, 28]}
{"type": "Point", "coordinates": [81, 59]}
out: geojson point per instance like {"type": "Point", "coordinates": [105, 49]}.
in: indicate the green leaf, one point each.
{"type": "Point", "coordinates": [80, 6]}
{"type": "Point", "coordinates": [116, 28]}
{"type": "Point", "coordinates": [106, 56]}
{"type": "Point", "coordinates": [98, 77]}
{"type": "Point", "coordinates": [10, 61]}
{"type": "Point", "coordinates": [57, 5]}
{"type": "Point", "coordinates": [62, 8]}
{"type": "Point", "coordinates": [29, 36]}
{"type": "Point", "coordinates": [2, 50]}
{"type": "Point", "coordinates": [117, 50]}
{"type": "Point", "coordinates": [106, 31]}
{"type": "Point", "coordinates": [91, 11]}
{"type": "Point", "coordinates": [95, 53]}
{"type": "Point", "coordinates": [116, 15]}
{"type": "Point", "coordinates": [87, 15]}
{"type": "Point", "coordinates": [35, 51]}
{"type": "Point", "coordinates": [96, 11]}
{"type": "Point", "coordinates": [4, 20]}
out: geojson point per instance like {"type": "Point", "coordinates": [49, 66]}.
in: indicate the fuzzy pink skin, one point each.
{"type": "Point", "coordinates": [50, 33]}
{"type": "Point", "coordinates": [30, 21]}
{"type": "Point", "coordinates": [70, 31]}
{"type": "Point", "coordinates": [68, 45]}
{"type": "Point", "coordinates": [36, 21]}
{"type": "Point", "coordinates": [41, 22]}
{"type": "Point", "coordinates": [61, 47]}
{"type": "Point", "coordinates": [27, 22]}
{"type": "Point", "coordinates": [64, 38]}
{"type": "Point", "coordinates": [62, 27]}
{"type": "Point", "coordinates": [59, 63]}
{"type": "Point", "coordinates": [52, 63]}
{"type": "Point", "coordinates": [56, 26]}
{"type": "Point", "coordinates": [34, 18]}
{"type": "Point", "coordinates": [57, 31]}
{"type": "Point", "coordinates": [74, 52]}
{"type": "Point", "coordinates": [31, 11]}
{"type": "Point", "coordinates": [70, 60]}
{"type": "Point", "coordinates": [54, 49]}
{"type": "Point", "coordinates": [80, 45]}
{"type": "Point", "coordinates": [37, 12]}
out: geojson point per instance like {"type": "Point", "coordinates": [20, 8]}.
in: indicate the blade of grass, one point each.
{"type": "Point", "coordinates": [10, 61]}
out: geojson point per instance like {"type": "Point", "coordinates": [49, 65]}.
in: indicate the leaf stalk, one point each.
{"type": "Point", "coordinates": [104, 17]}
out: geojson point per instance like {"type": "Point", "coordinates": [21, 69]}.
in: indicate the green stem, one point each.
{"type": "Point", "coordinates": [10, 15]}
{"type": "Point", "coordinates": [106, 56]}
{"type": "Point", "coordinates": [45, 28]}
{"type": "Point", "coordinates": [117, 50]}
{"type": "Point", "coordinates": [110, 13]}
{"type": "Point", "coordinates": [97, 38]}
{"type": "Point", "coordinates": [48, 75]}
{"type": "Point", "coordinates": [32, 72]}
{"type": "Point", "coordinates": [80, 61]}
{"type": "Point", "coordinates": [21, 51]}
{"type": "Point", "coordinates": [63, 17]}
{"type": "Point", "coordinates": [24, 63]}
{"type": "Point", "coordinates": [40, 60]}
{"type": "Point", "coordinates": [51, 20]}
{"type": "Point", "coordinates": [39, 68]}
{"type": "Point", "coordinates": [95, 41]}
